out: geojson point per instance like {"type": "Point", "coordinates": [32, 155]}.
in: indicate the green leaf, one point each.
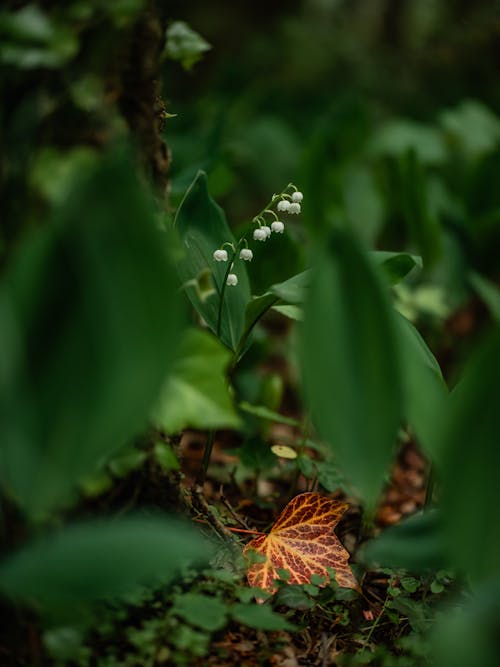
{"type": "Point", "coordinates": [295, 597]}
{"type": "Point", "coordinates": [102, 559]}
{"type": "Point", "coordinates": [415, 544]}
{"type": "Point", "coordinates": [398, 137]}
{"type": "Point", "coordinates": [202, 611]}
{"type": "Point", "coordinates": [265, 413]}
{"type": "Point", "coordinates": [488, 292]}
{"type": "Point", "coordinates": [350, 364]}
{"type": "Point", "coordinates": [89, 323]}
{"type": "Point", "coordinates": [396, 265]}
{"type": "Point", "coordinates": [256, 454]}
{"type": "Point", "coordinates": [467, 635]}
{"type": "Point", "coordinates": [29, 39]}
{"type": "Point", "coordinates": [292, 312]}
{"type": "Point", "coordinates": [292, 291]}
{"type": "Point", "coordinates": [425, 392]}
{"type": "Point", "coordinates": [473, 126]}
{"type": "Point", "coordinates": [422, 223]}
{"type": "Point", "coordinates": [196, 394]}
{"type": "Point", "coordinates": [184, 44]}
{"type": "Point", "coordinates": [469, 464]}
{"type": "Point", "coordinates": [203, 228]}
{"type": "Point", "coordinates": [259, 617]}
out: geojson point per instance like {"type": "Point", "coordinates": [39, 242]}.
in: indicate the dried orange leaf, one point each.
{"type": "Point", "coordinates": [302, 541]}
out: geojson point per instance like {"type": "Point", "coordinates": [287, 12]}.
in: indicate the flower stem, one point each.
{"type": "Point", "coordinates": [222, 292]}
{"type": "Point", "coordinates": [273, 199]}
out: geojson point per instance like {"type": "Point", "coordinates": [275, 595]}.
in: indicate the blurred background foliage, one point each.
{"type": "Point", "coordinates": [384, 112]}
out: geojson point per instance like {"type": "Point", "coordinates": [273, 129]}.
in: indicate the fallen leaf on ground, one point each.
{"type": "Point", "coordinates": [302, 542]}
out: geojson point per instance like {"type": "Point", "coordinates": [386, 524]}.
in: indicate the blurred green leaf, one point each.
{"type": "Point", "coordinates": [467, 636]}
{"type": "Point", "coordinates": [292, 312]}
{"type": "Point", "coordinates": [265, 413]}
{"type": "Point", "coordinates": [350, 364]}
{"type": "Point", "coordinates": [89, 327]}
{"type": "Point", "coordinates": [256, 454]}
{"type": "Point", "coordinates": [469, 465]}
{"type": "Point", "coordinates": [364, 205]}
{"type": "Point", "coordinates": [29, 38]}
{"type": "Point", "coordinates": [259, 617]}
{"type": "Point", "coordinates": [202, 611]}
{"type": "Point", "coordinates": [83, 563]}
{"type": "Point", "coordinates": [396, 265]}
{"type": "Point", "coordinates": [399, 137]}
{"type": "Point", "coordinates": [488, 292]}
{"type": "Point", "coordinates": [473, 127]}
{"type": "Point", "coordinates": [184, 44]}
{"type": "Point", "coordinates": [425, 391]}
{"type": "Point", "coordinates": [423, 225]}
{"type": "Point", "coordinates": [415, 544]}
{"type": "Point", "coordinates": [203, 228]}
{"type": "Point", "coordinates": [196, 394]}
{"type": "Point", "coordinates": [54, 173]}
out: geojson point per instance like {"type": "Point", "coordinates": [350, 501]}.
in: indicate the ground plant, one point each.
{"type": "Point", "coordinates": [249, 334]}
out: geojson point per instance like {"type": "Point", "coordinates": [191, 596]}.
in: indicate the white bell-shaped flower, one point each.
{"type": "Point", "coordinates": [297, 197]}
{"type": "Point", "coordinates": [246, 254]}
{"type": "Point", "coordinates": [283, 205]}
{"type": "Point", "coordinates": [232, 279]}
{"type": "Point", "coordinates": [220, 255]}
{"type": "Point", "coordinates": [260, 234]}
{"type": "Point", "coordinates": [294, 208]}
{"type": "Point", "coordinates": [267, 230]}
{"type": "Point", "coordinates": [277, 227]}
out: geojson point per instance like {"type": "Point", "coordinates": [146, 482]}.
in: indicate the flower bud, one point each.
{"type": "Point", "coordinates": [294, 208]}
{"type": "Point", "coordinates": [297, 197]}
{"type": "Point", "coordinates": [246, 254]}
{"type": "Point", "coordinates": [220, 255]}
{"type": "Point", "coordinates": [232, 279]}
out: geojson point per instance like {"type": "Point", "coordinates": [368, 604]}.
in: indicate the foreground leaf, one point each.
{"type": "Point", "coordinates": [196, 394]}
{"type": "Point", "coordinates": [63, 573]}
{"type": "Point", "coordinates": [302, 541]}
{"type": "Point", "coordinates": [89, 324]}
{"type": "Point", "coordinates": [350, 364]}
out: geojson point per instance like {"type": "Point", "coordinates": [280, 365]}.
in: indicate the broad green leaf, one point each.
{"type": "Point", "coordinates": [63, 572]}
{"type": "Point", "coordinates": [425, 391]}
{"type": "Point", "coordinates": [415, 544]}
{"type": "Point", "coordinates": [291, 291]}
{"type": "Point", "coordinates": [350, 364]}
{"type": "Point", "coordinates": [89, 327]}
{"type": "Point", "coordinates": [202, 611]}
{"type": "Point", "coordinates": [469, 465]}
{"type": "Point", "coordinates": [467, 635]}
{"type": "Point", "coordinates": [196, 394]}
{"type": "Point", "coordinates": [259, 617]}
{"type": "Point", "coordinates": [396, 265]}
{"type": "Point", "coordinates": [203, 228]}
{"type": "Point", "coordinates": [292, 312]}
